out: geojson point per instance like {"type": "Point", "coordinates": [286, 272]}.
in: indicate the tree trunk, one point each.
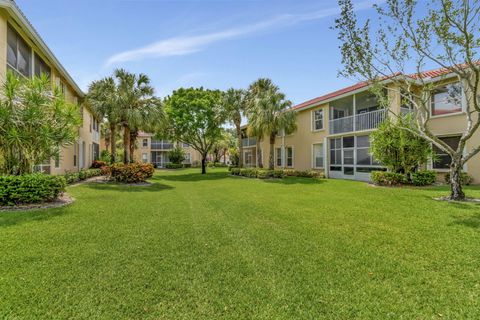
{"type": "Point", "coordinates": [113, 144]}
{"type": "Point", "coordinates": [133, 139]}
{"type": "Point", "coordinates": [126, 144]}
{"type": "Point", "coordinates": [204, 164]}
{"type": "Point", "coordinates": [271, 160]}
{"type": "Point", "coordinates": [456, 192]}
{"type": "Point", "coordinates": [259, 154]}
{"type": "Point", "coordinates": [240, 145]}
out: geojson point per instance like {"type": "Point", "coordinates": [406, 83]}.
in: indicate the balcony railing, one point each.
{"type": "Point", "coordinates": [161, 145]}
{"type": "Point", "coordinates": [358, 122]}
{"type": "Point", "coordinates": [248, 142]}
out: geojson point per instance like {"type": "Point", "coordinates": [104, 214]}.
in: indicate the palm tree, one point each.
{"type": "Point", "coordinates": [137, 105]}
{"type": "Point", "coordinates": [103, 97]}
{"type": "Point", "coordinates": [269, 113]}
{"type": "Point", "coordinates": [234, 103]}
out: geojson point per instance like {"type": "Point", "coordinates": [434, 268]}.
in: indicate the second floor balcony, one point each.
{"type": "Point", "coordinates": [161, 145]}
{"type": "Point", "coordinates": [358, 122]}
{"type": "Point", "coordinates": [249, 142]}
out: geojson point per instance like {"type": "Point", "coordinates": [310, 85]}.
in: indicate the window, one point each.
{"type": "Point", "coordinates": [278, 152]}
{"type": "Point", "coordinates": [188, 158]}
{"type": "Point", "coordinates": [289, 151]}
{"type": "Point", "coordinates": [145, 143]}
{"type": "Point", "coordinates": [40, 67]}
{"type": "Point", "coordinates": [19, 54]}
{"type": "Point", "coordinates": [185, 145]}
{"type": "Point", "coordinates": [317, 117]}
{"type": "Point", "coordinates": [74, 160]}
{"type": "Point", "coordinates": [96, 151]}
{"type": "Point", "coordinates": [144, 157]}
{"type": "Point", "coordinates": [318, 155]}
{"type": "Point", "coordinates": [443, 160]}
{"type": "Point", "coordinates": [336, 151]}
{"type": "Point", "coordinates": [447, 99]}
{"type": "Point", "coordinates": [363, 151]}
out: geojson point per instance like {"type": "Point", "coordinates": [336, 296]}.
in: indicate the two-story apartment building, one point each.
{"type": "Point", "coordinates": [155, 151]}
{"type": "Point", "coordinates": [23, 51]}
{"type": "Point", "coordinates": [333, 130]}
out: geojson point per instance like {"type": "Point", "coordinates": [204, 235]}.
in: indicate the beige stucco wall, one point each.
{"type": "Point", "coordinates": [67, 153]}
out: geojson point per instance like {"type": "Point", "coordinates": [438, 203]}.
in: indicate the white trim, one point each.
{"type": "Point", "coordinates": [312, 120]}
{"type": "Point", "coordinates": [463, 106]}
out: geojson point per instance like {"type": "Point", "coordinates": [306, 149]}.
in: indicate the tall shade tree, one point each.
{"type": "Point", "coordinates": [103, 97]}
{"type": "Point", "coordinates": [445, 35]}
{"type": "Point", "coordinates": [195, 117]}
{"type": "Point", "coordinates": [269, 113]}
{"type": "Point", "coordinates": [35, 123]}
{"type": "Point", "coordinates": [235, 104]}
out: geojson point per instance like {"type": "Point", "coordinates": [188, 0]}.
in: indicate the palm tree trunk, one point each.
{"type": "Point", "coordinates": [456, 191]}
{"type": "Point", "coordinates": [133, 139]}
{"type": "Point", "coordinates": [240, 144]}
{"type": "Point", "coordinates": [113, 145]}
{"type": "Point", "coordinates": [271, 160]}
{"type": "Point", "coordinates": [126, 144]}
{"type": "Point", "coordinates": [259, 154]}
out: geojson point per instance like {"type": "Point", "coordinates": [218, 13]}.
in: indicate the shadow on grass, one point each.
{"type": "Point", "coordinates": [12, 218]}
{"type": "Point", "coordinates": [192, 177]}
{"type": "Point", "coordinates": [472, 221]}
{"type": "Point", "coordinates": [155, 187]}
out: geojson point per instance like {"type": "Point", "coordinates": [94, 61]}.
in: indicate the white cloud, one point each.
{"type": "Point", "coordinates": [178, 46]}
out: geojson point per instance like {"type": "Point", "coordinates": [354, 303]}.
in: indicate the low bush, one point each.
{"type": "Point", "coordinates": [248, 172]}
{"type": "Point", "coordinates": [265, 174]}
{"type": "Point", "coordinates": [465, 178]}
{"type": "Point", "coordinates": [424, 178]}
{"type": "Point", "coordinates": [196, 163]}
{"type": "Point", "coordinates": [278, 173]}
{"type": "Point", "coordinates": [97, 164]}
{"type": "Point", "coordinates": [131, 173]}
{"type": "Point", "coordinates": [235, 171]}
{"type": "Point", "coordinates": [30, 188]}
{"type": "Point", "coordinates": [174, 166]}
{"type": "Point", "coordinates": [187, 165]}
{"type": "Point", "coordinates": [290, 173]}
{"type": "Point", "coordinates": [308, 174]}
{"type": "Point", "coordinates": [384, 178]}
{"type": "Point", "coordinates": [72, 177]}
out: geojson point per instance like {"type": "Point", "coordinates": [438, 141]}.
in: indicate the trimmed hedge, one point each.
{"type": "Point", "coordinates": [424, 178]}
{"type": "Point", "coordinates": [131, 173]}
{"type": "Point", "coordinates": [384, 178]}
{"type": "Point", "coordinates": [30, 188]}
{"type": "Point", "coordinates": [72, 177]}
{"type": "Point", "coordinates": [465, 178]}
{"type": "Point", "coordinates": [277, 173]}
{"type": "Point", "coordinates": [97, 164]}
{"type": "Point", "coordinates": [174, 166]}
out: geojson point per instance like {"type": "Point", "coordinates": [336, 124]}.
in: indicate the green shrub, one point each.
{"type": "Point", "coordinates": [105, 156]}
{"type": "Point", "coordinates": [97, 164]}
{"type": "Point", "coordinates": [131, 173]}
{"type": "Point", "coordinates": [424, 178]}
{"type": "Point", "coordinates": [231, 167]}
{"type": "Point", "coordinates": [196, 163]}
{"type": "Point", "coordinates": [308, 174]}
{"type": "Point", "coordinates": [290, 173]}
{"type": "Point", "coordinates": [265, 174]}
{"type": "Point", "coordinates": [220, 165]}
{"type": "Point", "coordinates": [248, 172]}
{"type": "Point", "coordinates": [174, 166]}
{"type": "Point", "coordinates": [465, 178]}
{"type": "Point", "coordinates": [384, 178]}
{"type": "Point", "coordinates": [177, 155]}
{"type": "Point", "coordinates": [30, 188]}
{"type": "Point", "coordinates": [187, 165]}
{"type": "Point", "coordinates": [278, 173]}
{"type": "Point", "coordinates": [210, 164]}
{"type": "Point", "coordinates": [235, 171]}
{"type": "Point", "coordinates": [72, 177]}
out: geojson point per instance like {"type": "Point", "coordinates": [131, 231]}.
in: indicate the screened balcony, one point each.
{"type": "Point", "coordinates": [358, 112]}
{"type": "Point", "coordinates": [249, 142]}
{"type": "Point", "coordinates": [161, 145]}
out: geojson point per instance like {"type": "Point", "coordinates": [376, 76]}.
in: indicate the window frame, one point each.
{"type": "Point", "coordinates": [19, 39]}
{"type": "Point", "coordinates": [314, 120]}
{"type": "Point", "coordinates": [145, 143]}
{"type": "Point", "coordinates": [432, 96]}
{"type": "Point", "coordinates": [286, 157]}
{"type": "Point", "coordinates": [314, 157]}
{"type": "Point", "coordinates": [444, 154]}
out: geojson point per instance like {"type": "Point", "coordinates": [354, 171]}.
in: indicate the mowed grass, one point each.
{"type": "Point", "coordinates": [221, 247]}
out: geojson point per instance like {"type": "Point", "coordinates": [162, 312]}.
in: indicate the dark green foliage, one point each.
{"type": "Point", "coordinates": [177, 155]}
{"type": "Point", "coordinates": [397, 148]}
{"type": "Point", "coordinates": [424, 177]}
{"type": "Point", "coordinates": [384, 178]}
{"type": "Point", "coordinates": [97, 164]}
{"type": "Point", "coordinates": [465, 178]}
{"type": "Point", "coordinates": [132, 172]}
{"type": "Point", "coordinates": [72, 177]}
{"type": "Point", "coordinates": [174, 166]}
{"type": "Point", "coordinates": [30, 188]}
{"type": "Point", "coordinates": [277, 173]}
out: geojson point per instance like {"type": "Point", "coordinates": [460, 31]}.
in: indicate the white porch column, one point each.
{"type": "Point", "coordinates": [326, 157]}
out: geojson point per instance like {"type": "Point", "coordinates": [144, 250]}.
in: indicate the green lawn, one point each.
{"type": "Point", "coordinates": [221, 247]}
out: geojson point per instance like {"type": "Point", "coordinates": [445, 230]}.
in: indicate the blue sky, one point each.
{"type": "Point", "coordinates": [214, 44]}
